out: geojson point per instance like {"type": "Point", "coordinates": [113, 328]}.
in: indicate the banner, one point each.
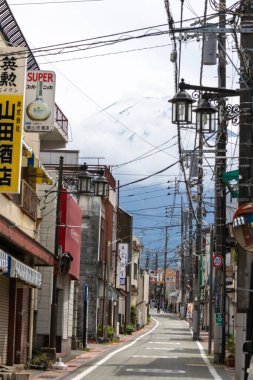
{"type": "Point", "coordinates": [12, 78]}
{"type": "Point", "coordinates": [123, 253]}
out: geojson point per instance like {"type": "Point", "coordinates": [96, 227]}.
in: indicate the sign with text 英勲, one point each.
{"type": "Point", "coordinates": [12, 79]}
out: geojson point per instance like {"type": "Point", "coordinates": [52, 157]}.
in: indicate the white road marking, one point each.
{"type": "Point", "coordinates": [164, 343]}
{"type": "Point", "coordinates": [153, 370]}
{"type": "Point", "coordinates": [211, 369]}
{"type": "Point", "coordinates": [160, 348]}
{"type": "Point", "coordinates": [154, 356]}
{"type": "Point", "coordinates": [111, 354]}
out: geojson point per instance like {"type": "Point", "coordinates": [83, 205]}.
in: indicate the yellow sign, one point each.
{"type": "Point", "coordinates": [12, 78]}
{"type": "Point", "coordinates": [11, 114]}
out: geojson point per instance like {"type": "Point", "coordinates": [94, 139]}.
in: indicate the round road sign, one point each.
{"type": "Point", "coordinates": [217, 261]}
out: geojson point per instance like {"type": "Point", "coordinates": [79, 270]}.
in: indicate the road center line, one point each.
{"type": "Point", "coordinates": [165, 343]}
{"type": "Point", "coordinates": [155, 356]}
{"type": "Point", "coordinates": [154, 370]}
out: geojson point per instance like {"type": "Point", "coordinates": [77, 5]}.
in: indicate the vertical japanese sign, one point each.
{"type": "Point", "coordinates": [123, 253]}
{"type": "Point", "coordinates": [12, 79]}
{"type": "Point", "coordinates": [40, 100]}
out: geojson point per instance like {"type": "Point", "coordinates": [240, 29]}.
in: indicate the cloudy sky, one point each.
{"type": "Point", "coordinates": [114, 80]}
{"type": "Point", "coordinates": [115, 96]}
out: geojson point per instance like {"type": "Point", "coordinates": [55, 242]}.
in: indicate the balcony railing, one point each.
{"type": "Point", "coordinates": [27, 200]}
{"type": "Point", "coordinates": [61, 119]}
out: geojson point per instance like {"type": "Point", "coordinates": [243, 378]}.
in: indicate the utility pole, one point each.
{"type": "Point", "coordinates": [199, 242]}
{"type": "Point", "coordinates": [165, 264]}
{"type": "Point", "coordinates": [183, 229]}
{"type": "Point", "coordinates": [156, 273]}
{"type": "Point", "coordinates": [220, 204]}
{"type": "Point", "coordinates": [53, 321]}
{"type": "Point", "coordinates": [190, 256]}
{"type": "Point", "coordinates": [210, 330]}
{"type": "Point", "coordinates": [245, 259]}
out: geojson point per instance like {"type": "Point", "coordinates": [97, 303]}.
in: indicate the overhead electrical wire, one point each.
{"type": "Point", "coordinates": [53, 2]}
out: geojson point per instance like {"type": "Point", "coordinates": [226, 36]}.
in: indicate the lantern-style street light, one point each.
{"type": "Point", "coordinates": [84, 180]}
{"type": "Point", "coordinates": [206, 113]}
{"type": "Point", "coordinates": [88, 183]}
{"type": "Point", "coordinates": [206, 116]}
{"type": "Point", "coordinates": [182, 107]}
{"type": "Point", "coordinates": [101, 185]}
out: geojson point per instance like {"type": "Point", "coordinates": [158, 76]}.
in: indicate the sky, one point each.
{"type": "Point", "coordinates": [116, 96]}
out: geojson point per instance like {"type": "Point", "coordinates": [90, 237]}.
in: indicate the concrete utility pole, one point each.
{"type": "Point", "coordinates": [190, 255]}
{"type": "Point", "coordinates": [53, 321]}
{"type": "Point", "coordinates": [210, 330]}
{"type": "Point", "coordinates": [165, 264]}
{"type": "Point", "coordinates": [199, 241]}
{"type": "Point", "coordinates": [220, 204]}
{"type": "Point", "coordinates": [183, 231]}
{"type": "Point", "coordinates": [245, 259]}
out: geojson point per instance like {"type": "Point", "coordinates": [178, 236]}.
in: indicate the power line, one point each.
{"type": "Point", "coordinates": [54, 2]}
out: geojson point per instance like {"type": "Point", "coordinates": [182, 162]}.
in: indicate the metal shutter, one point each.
{"type": "Point", "coordinates": [4, 317]}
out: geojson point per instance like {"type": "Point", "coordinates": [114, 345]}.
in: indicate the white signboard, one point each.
{"type": "Point", "coordinates": [12, 70]}
{"type": "Point", "coordinates": [123, 253]}
{"type": "Point", "coordinates": [40, 101]}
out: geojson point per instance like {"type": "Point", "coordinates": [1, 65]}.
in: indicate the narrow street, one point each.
{"type": "Point", "coordinates": [166, 350]}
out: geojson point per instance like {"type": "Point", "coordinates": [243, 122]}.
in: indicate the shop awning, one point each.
{"type": "Point", "coordinates": [24, 273]}
{"type": "Point", "coordinates": [19, 242]}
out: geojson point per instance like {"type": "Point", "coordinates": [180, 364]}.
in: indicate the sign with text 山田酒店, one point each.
{"type": "Point", "coordinates": [12, 79]}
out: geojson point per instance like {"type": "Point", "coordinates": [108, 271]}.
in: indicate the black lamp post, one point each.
{"type": "Point", "coordinates": [182, 107]}
{"type": "Point", "coordinates": [89, 184]}
{"type": "Point", "coordinates": [206, 116]}
{"type": "Point", "coordinates": [101, 185]}
{"type": "Point", "coordinates": [206, 113]}
{"type": "Point", "coordinates": [84, 180]}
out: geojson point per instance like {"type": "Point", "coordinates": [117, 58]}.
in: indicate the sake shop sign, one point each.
{"type": "Point", "coordinates": [40, 100]}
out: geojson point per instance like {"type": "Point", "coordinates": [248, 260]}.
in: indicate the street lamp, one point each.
{"type": "Point", "coordinates": [101, 185]}
{"type": "Point", "coordinates": [206, 113]}
{"type": "Point", "coordinates": [182, 107]}
{"type": "Point", "coordinates": [206, 116]}
{"type": "Point", "coordinates": [84, 180]}
{"type": "Point", "coordinates": [89, 184]}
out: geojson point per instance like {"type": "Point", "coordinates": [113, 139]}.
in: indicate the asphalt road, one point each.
{"type": "Point", "coordinates": [166, 351]}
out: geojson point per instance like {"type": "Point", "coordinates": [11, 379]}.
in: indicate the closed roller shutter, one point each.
{"type": "Point", "coordinates": [4, 317]}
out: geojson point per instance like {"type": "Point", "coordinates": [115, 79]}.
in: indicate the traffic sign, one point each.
{"type": "Point", "coordinates": [217, 261]}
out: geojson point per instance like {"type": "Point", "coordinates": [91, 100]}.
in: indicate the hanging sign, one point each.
{"type": "Point", "coordinates": [40, 100]}
{"type": "Point", "coordinates": [123, 253]}
{"type": "Point", "coordinates": [217, 261]}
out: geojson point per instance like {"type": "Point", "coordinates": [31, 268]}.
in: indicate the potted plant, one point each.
{"type": "Point", "coordinates": [230, 354]}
